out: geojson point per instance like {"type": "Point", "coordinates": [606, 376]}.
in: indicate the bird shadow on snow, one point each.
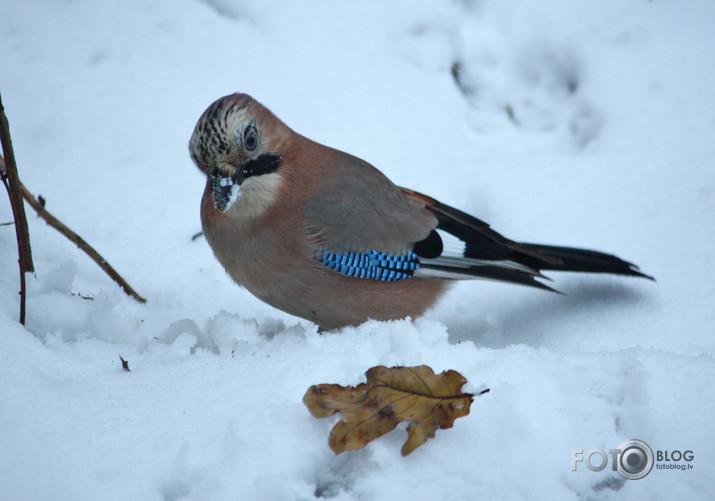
{"type": "Point", "coordinates": [532, 319]}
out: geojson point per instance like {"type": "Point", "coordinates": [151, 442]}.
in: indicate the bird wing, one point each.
{"type": "Point", "coordinates": [365, 226]}
{"type": "Point", "coordinates": [361, 224]}
{"type": "Point", "coordinates": [357, 208]}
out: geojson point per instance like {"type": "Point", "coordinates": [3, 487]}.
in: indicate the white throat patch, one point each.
{"type": "Point", "coordinates": [255, 195]}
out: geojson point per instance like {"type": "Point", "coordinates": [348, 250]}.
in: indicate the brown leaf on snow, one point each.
{"type": "Point", "coordinates": [390, 396]}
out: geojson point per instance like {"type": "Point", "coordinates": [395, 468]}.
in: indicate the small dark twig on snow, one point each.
{"type": "Point", "coordinates": [125, 364]}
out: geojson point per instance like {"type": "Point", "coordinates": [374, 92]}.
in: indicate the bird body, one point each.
{"type": "Point", "coordinates": [325, 236]}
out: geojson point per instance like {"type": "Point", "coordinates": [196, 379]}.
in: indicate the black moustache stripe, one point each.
{"type": "Point", "coordinates": [265, 164]}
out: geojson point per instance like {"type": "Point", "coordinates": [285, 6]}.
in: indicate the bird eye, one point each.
{"type": "Point", "coordinates": [250, 139]}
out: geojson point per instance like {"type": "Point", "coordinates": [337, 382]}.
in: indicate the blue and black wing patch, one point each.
{"type": "Point", "coordinates": [371, 264]}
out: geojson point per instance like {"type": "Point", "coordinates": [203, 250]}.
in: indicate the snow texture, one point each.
{"type": "Point", "coordinates": [574, 123]}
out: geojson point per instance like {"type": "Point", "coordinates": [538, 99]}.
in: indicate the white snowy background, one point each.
{"type": "Point", "coordinates": [575, 123]}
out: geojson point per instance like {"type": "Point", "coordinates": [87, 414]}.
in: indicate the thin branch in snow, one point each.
{"type": "Point", "coordinates": [39, 205]}
{"type": "Point", "coordinates": [17, 191]}
{"type": "Point", "coordinates": [11, 180]}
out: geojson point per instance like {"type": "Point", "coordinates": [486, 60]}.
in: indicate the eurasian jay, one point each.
{"type": "Point", "coordinates": [326, 236]}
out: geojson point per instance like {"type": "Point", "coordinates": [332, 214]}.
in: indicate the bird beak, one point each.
{"type": "Point", "coordinates": [226, 190]}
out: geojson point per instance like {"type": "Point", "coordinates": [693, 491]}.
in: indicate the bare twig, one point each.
{"type": "Point", "coordinates": [125, 364]}
{"type": "Point", "coordinates": [17, 191]}
{"type": "Point", "coordinates": [11, 180]}
{"type": "Point", "coordinates": [39, 205]}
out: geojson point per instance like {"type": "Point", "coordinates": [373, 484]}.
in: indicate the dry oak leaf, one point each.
{"type": "Point", "coordinates": [391, 395]}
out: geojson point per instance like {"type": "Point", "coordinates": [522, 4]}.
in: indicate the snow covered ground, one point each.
{"type": "Point", "coordinates": [575, 123]}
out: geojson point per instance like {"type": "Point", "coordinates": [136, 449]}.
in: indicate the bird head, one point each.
{"type": "Point", "coordinates": [236, 143]}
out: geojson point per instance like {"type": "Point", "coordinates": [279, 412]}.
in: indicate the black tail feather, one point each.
{"type": "Point", "coordinates": [573, 259]}
{"type": "Point", "coordinates": [489, 255]}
